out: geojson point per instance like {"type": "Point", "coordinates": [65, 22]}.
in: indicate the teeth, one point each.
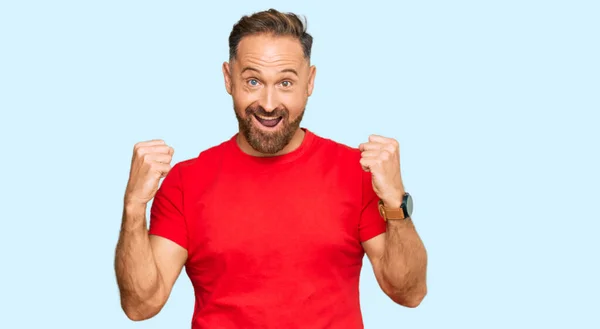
{"type": "Point", "coordinates": [266, 118]}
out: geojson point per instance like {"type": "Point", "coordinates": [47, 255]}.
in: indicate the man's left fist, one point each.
{"type": "Point", "coordinates": [381, 156]}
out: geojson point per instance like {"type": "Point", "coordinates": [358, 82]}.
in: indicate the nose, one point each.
{"type": "Point", "coordinates": [268, 99]}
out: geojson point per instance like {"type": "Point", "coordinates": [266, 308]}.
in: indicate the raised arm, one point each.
{"type": "Point", "coordinates": [146, 266]}
{"type": "Point", "coordinates": [398, 256]}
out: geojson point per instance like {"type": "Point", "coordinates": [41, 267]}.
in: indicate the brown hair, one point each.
{"type": "Point", "coordinates": [270, 22]}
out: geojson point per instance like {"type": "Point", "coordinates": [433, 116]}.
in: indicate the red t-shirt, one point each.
{"type": "Point", "coordinates": [272, 242]}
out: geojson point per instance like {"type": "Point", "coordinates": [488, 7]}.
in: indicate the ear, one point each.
{"type": "Point", "coordinates": [311, 80]}
{"type": "Point", "coordinates": [227, 76]}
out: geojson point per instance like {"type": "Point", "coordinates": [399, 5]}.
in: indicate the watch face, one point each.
{"type": "Point", "coordinates": [409, 205]}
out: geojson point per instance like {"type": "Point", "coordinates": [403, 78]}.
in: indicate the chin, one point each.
{"type": "Point", "coordinates": [265, 139]}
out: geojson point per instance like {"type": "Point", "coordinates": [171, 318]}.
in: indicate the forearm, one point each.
{"type": "Point", "coordinates": [404, 262]}
{"type": "Point", "coordinates": [137, 274]}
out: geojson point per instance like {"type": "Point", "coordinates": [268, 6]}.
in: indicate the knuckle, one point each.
{"type": "Point", "coordinates": [141, 150]}
{"type": "Point", "coordinates": [145, 157]}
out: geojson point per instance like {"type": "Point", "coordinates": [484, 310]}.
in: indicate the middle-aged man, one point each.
{"type": "Point", "coordinates": [271, 225]}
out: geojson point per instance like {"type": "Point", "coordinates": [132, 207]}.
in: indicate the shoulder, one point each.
{"type": "Point", "coordinates": [205, 160]}
{"type": "Point", "coordinates": [336, 149]}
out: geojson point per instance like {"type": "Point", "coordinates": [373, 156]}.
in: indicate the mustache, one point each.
{"type": "Point", "coordinates": [280, 111]}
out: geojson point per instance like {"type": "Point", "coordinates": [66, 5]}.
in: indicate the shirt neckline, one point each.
{"type": "Point", "coordinates": [307, 141]}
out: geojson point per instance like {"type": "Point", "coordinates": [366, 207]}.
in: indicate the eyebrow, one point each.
{"type": "Point", "coordinates": [250, 68]}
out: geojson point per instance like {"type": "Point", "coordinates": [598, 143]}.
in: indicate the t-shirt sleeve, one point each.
{"type": "Point", "coordinates": [371, 223]}
{"type": "Point", "coordinates": [166, 215]}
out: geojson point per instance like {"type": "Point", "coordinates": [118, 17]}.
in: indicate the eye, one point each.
{"type": "Point", "coordinates": [286, 84]}
{"type": "Point", "coordinates": [253, 82]}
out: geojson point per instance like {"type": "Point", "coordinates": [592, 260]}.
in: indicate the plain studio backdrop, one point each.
{"type": "Point", "coordinates": [495, 105]}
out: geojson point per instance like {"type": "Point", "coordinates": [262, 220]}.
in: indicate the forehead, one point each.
{"type": "Point", "coordinates": [269, 50]}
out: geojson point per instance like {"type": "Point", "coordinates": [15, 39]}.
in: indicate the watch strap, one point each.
{"type": "Point", "coordinates": [391, 213]}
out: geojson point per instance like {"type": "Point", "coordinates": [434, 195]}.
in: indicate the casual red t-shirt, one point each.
{"type": "Point", "coordinates": [272, 242]}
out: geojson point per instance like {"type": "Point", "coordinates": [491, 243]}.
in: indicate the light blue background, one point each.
{"type": "Point", "coordinates": [495, 104]}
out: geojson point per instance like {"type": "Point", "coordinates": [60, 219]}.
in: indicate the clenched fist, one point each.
{"type": "Point", "coordinates": [151, 161]}
{"type": "Point", "coordinates": [381, 156]}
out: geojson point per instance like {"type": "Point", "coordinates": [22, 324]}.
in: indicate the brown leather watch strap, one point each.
{"type": "Point", "coordinates": [390, 213]}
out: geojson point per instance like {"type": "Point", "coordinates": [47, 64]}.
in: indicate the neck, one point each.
{"type": "Point", "coordinates": [294, 143]}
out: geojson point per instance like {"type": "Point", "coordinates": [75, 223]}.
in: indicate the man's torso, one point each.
{"type": "Point", "coordinates": [274, 245]}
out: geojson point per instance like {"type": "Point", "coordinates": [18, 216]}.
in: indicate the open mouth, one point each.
{"type": "Point", "coordinates": [268, 122]}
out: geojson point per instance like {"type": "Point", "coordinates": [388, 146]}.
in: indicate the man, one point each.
{"type": "Point", "coordinates": [271, 225]}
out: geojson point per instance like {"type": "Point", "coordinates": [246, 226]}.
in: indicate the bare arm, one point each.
{"type": "Point", "coordinates": [399, 260]}
{"type": "Point", "coordinates": [146, 266]}
{"type": "Point", "coordinates": [398, 256]}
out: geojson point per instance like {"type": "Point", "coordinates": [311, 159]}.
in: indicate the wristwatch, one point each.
{"type": "Point", "coordinates": [404, 212]}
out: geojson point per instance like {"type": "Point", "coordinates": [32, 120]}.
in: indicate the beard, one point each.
{"type": "Point", "coordinates": [268, 142]}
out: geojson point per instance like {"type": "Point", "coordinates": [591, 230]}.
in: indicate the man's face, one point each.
{"type": "Point", "coordinates": [270, 81]}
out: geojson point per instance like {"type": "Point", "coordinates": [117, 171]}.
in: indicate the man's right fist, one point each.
{"type": "Point", "coordinates": [151, 161]}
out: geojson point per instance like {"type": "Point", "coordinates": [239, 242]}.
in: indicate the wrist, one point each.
{"type": "Point", "coordinates": [132, 207]}
{"type": "Point", "coordinates": [394, 200]}
{"type": "Point", "coordinates": [392, 203]}
{"type": "Point", "coordinates": [397, 207]}
{"type": "Point", "coordinates": [134, 218]}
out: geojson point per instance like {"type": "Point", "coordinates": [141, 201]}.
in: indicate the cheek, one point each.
{"type": "Point", "coordinates": [294, 102]}
{"type": "Point", "coordinates": [242, 99]}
